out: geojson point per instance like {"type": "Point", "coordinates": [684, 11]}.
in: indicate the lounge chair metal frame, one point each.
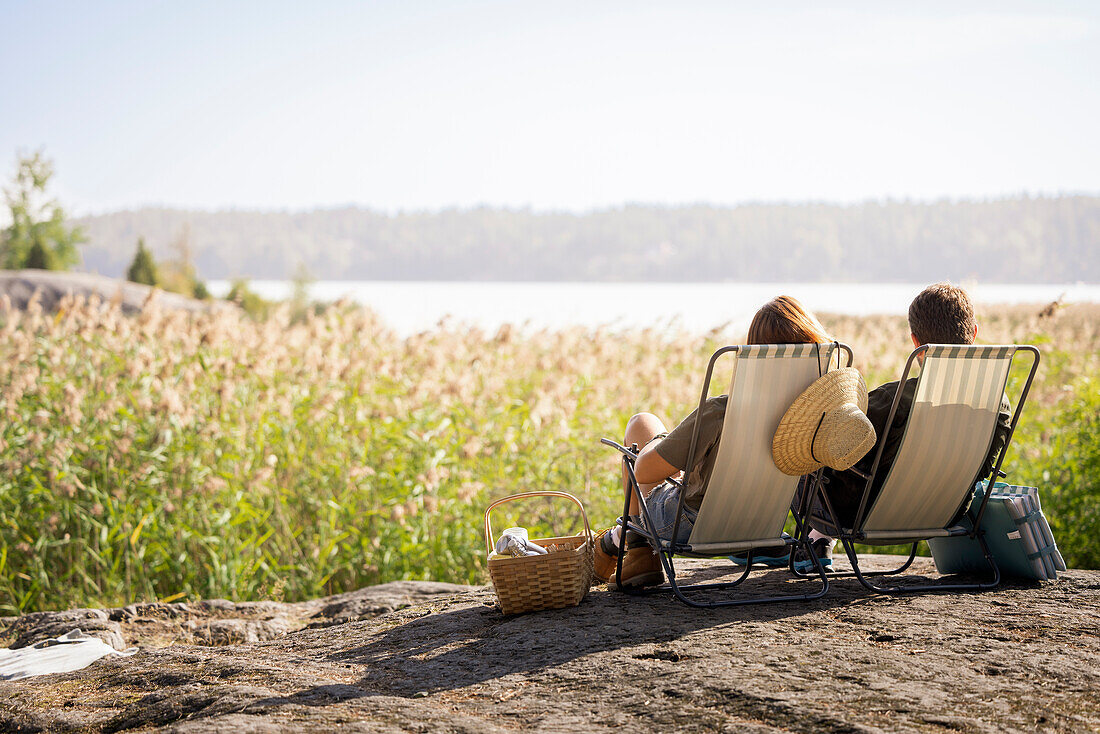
{"type": "Point", "coordinates": [858, 533]}
{"type": "Point", "coordinates": [668, 549]}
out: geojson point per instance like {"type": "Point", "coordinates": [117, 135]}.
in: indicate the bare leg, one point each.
{"type": "Point", "coordinates": [640, 429]}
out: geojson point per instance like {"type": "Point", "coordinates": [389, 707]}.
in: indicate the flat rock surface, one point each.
{"type": "Point", "coordinates": [217, 621]}
{"type": "Point", "coordinates": [1025, 657]}
{"type": "Point", "coordinates": [51, 286]}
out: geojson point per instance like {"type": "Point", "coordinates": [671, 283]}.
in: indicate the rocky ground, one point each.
{"type": "Point", "coordinates": [20, 286]}
{"type": "Point", "coordinates": [436, 657]}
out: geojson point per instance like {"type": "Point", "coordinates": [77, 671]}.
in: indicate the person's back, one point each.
{"type": "Point", "coordinates": [940, 314]}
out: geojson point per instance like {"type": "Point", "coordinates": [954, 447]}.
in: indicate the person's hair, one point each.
{"type": "Point", "coordinates": [783, 320]}
{"type": "Point", "coordinates": [942, 314]}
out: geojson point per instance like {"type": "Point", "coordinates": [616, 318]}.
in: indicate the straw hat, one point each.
{"type": "Point", "coordinates": [825, 426]}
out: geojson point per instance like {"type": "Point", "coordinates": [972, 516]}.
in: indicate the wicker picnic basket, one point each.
{"type": "Point", "coordinates": [552, 581]}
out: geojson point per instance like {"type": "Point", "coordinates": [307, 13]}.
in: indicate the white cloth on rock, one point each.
{"type": "Point", "coordinates": [71, 651]}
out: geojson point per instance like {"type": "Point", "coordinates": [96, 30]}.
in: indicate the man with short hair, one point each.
{"type": "Point", "coordinates": [940, 314]}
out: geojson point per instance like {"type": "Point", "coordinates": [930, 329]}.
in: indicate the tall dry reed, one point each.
{"type": "Point", "coordinates": [169, 456]}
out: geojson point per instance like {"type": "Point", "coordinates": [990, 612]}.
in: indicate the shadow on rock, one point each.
{"type": "Point", "coordinates": [469, 645]}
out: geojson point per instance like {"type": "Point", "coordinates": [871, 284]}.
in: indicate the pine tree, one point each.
{"type": "Point", "coordinates": [37, 258]}
{"type": "Point", "coordinates": [143, 269]}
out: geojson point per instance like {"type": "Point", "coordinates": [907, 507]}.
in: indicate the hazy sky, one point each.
{"type": "Point", "coordinates": [412, 105]}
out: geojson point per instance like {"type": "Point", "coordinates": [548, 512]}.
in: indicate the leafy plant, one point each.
{"type": "Point", "coordinates": [37, 236]}
{"type": "Point", "coordinates": [249, 300]}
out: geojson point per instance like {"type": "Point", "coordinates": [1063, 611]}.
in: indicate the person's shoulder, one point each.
{"type": "Point", "coordinates": [892, 386]}
{"type": "Point", "coordinates": [713, 409]}
{"type": "Point", "coordinates": [881, 398]}
{"type": "Point", "coordinates": [888, 388]}
{"type": "Point", "coordinates": [717, 405]}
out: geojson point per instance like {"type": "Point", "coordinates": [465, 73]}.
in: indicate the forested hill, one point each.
{"type": "Point", "coordinates": [1005, 240]}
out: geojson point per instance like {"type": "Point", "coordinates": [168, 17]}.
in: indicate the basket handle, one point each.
{"type": "Point", "coordinates": [524, 495]}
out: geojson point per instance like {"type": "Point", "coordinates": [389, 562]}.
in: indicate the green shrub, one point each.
{"type": "Point", "coordinates": [249, 300]}
{"type": "Point", "coordinates": [1067, 472]}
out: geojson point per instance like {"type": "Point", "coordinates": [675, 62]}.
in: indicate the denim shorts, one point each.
{"type": "Point", "coordinates": [662, 503]}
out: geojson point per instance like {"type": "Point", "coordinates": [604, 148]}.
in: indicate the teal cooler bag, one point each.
{"type": "Point", "coordinates": [1007, 532]}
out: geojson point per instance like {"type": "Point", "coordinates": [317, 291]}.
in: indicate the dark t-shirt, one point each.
{"type": "Point", "coordinates": [673, 448]}
{"type": "Point", "coordinates": [845, 488]}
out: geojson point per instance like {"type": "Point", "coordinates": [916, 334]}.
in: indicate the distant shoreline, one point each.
{"type": "Point", "coordinates": [1044, 239]}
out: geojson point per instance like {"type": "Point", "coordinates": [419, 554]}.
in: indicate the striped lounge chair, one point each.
{"type": "Point", "coordinates": [747, 499]}
{"type": "Point", "coordinates": [946, 440]}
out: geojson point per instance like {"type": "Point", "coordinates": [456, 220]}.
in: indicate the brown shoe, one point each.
{"type": "Point", "coordinates": [641, 567]}
{"type": "Point", "coordinates": [604, 563]}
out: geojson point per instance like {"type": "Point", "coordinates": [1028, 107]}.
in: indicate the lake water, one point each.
{"type": "Point", "coordinates": [409, 307]}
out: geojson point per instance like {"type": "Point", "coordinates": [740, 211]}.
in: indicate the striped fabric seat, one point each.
{"type": "Point", "coordinates": [946, 440]}
{"type": "Point", "coordinates": [747, 498]}
{"type": "Point", "coordinates": [947, 437]}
